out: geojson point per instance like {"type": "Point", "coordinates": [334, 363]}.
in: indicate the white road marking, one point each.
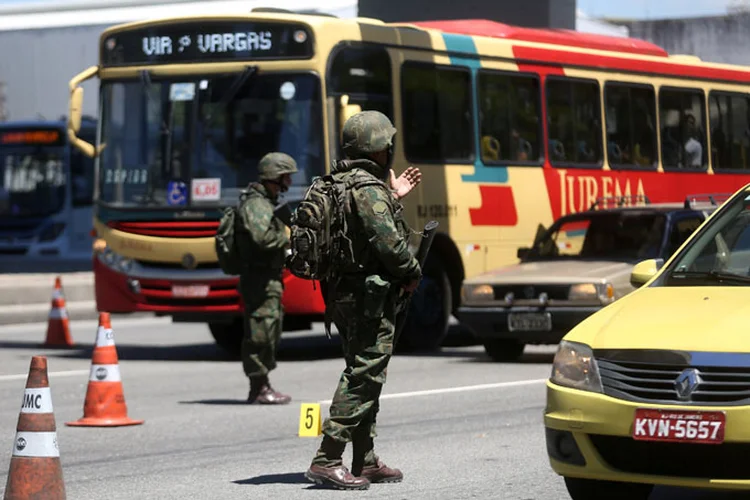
{"type": "Point", "coordinates": [466, 388]}
{"type": "Point", "coordinates": [24, 376]}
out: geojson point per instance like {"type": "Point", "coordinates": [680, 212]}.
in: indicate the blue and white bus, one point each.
{"type": "Point", "coordinates": [46, 190]}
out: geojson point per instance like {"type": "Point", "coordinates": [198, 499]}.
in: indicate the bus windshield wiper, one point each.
{"type": "Point", "coordinates": [232, 91]}
{"type": "Point", "coordinates": [712, 275]}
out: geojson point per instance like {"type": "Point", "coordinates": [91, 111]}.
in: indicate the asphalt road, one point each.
{"type": "Point", "coordinates": [458, 425]}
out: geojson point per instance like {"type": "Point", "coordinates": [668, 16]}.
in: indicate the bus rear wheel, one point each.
{"type": "Point", "coordinates": [429, 312]}
{"type": "Point", "coordinates": [228, 336]}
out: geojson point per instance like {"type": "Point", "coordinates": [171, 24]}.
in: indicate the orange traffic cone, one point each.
{"type": "Point", "coordinates": [35, 470]}
{"type": "Point", "coordinates": [58, 329]}
{"type": "Point", "coordinates": [105, 402]}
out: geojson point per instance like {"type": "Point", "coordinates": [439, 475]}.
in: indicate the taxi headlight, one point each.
{"type": "Point", "coordinates": [477, 293]}
{"type": "Point", "coordinates": [574, 367]}
{"type": "Point", "coordinates": [604, 292]}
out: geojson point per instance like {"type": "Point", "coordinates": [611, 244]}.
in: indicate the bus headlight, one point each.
{"type": "Point", "coordinates": [477, 293]}
{"type": "Point", "coordinates": [109, 257]}
{"type": "Point", "coordinates": [125, 264]}
{"type": "Point", "coordinates": [51, 232]}
{"type": "Point", "coordinates": [574, 367]}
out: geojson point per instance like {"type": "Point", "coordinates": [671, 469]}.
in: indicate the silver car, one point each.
{"type": "Point", "coordinates": [579, 265]}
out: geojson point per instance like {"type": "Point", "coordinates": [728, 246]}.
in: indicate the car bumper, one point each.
{"type": "Point", "coordinates": [492, 322]}
{"type": "Point", "coordinates": [589, 436]}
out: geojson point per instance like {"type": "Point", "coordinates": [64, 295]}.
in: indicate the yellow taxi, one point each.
{"type": "Point", "coordinates": [654, 389]}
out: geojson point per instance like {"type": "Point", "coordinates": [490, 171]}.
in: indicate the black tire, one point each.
{"type": "Point", "coordinates": [591, 489]}
{"type": "Point", "coordinates": [228, 336]}
{"type": "Point", "coordinates": [429, 313]}
{"type": "Point", "coordinates": [503, 350]}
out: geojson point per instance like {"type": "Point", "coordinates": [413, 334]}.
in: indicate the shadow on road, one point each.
{"type": "Point", "coordinates": [287, 478]}
{"type": "Point", "coordinates": [217, 402]}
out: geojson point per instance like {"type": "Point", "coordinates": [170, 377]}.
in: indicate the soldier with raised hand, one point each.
{"type": "Point", "coordinates": [365, 301]}
{"type": "Point", "coordinates": [263, 244]}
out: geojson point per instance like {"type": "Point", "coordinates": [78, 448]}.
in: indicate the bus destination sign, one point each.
{"type": "Point", "coordinates": [31, 137]}
{"type": "Point", "coordinates": [207, 42]}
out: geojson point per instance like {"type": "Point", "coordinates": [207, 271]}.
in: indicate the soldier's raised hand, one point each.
{"type": "Point", "coordinates": [407, 181]}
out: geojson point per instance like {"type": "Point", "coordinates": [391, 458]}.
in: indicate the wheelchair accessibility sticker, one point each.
{"type": "Point", "coordinates": [177, 193]}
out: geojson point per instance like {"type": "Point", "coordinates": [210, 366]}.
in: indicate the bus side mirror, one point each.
{"type": "Point", "coordinates": [75, 111]}
{"type": "Point", "coordinates": [644, 271]}
{"type": "Point", "coordinates": [521, 253]}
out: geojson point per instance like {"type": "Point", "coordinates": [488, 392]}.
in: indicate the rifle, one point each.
{"type": "Point", "coordinates": [284, 213]}
{"type": "Point", "coordinates": [424, 247]}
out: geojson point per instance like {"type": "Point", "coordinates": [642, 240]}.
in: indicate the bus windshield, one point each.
{"type": "Point", "coordinates": [32, 180]}
{"type": "Point", "coordinates": [197, 141]}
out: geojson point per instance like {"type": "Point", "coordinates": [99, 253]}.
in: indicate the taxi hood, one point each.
{"type": "Point", "coordinates": [675, 318]}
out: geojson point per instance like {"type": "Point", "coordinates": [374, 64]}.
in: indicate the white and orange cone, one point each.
{"type": "Point", "coordinates": [35, 469]}
{"type": "Point", "coordinates": [58, 327]}
{"type": "Point", "coordinates": [105, 402]}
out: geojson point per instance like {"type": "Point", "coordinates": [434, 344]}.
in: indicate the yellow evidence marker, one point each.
{"type": "Point", "coordinates": [309, 420]}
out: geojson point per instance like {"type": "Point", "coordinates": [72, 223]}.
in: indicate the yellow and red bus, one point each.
{"type": "Point", "coordinates": [511, 127]}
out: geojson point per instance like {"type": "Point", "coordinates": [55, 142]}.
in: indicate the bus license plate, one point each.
{"type": "Point", "coordinates": [704, 427]}
{"type": "Point", "coordinates": [191, 291]}
{"type": "Point", "coordinates": [530, 322]}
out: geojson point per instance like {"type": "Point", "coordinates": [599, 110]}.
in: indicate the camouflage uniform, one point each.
{"type": "Point", "coordinates": [264, 242]}
{"type": "Point", "coordinates": [364, 308]}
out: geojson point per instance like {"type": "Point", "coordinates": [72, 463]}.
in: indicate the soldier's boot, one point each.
{"type": "Point", "coordinates": [328, 469]}
{"type": "Point", "coordinates": [366, 464]}
{"type": "Point", "coordinates": [262, 393]}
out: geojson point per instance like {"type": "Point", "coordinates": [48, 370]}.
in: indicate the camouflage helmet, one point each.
{"type": "Point", "coordinates": [274, 165]}
{"type": "Point", "coordinates": [367, 132]}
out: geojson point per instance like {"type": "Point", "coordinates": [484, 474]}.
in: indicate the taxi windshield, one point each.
{"type": "Point", "coordinates": [615, 236]}
{"type": "Point", "coordinates": [720, 254]}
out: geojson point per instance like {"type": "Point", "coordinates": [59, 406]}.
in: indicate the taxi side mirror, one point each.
{"type": "Point", "coordinates": [521, 253]}
{"type": "Point", "coordinates": [644, 271]}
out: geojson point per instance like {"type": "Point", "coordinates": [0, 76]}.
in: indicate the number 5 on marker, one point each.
{"type": "Point", "coordinates": [309, 420]}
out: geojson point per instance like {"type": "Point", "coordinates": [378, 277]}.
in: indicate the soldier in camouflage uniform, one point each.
{"type": "Point", "coordinates": [263, 244]}
{"type": "Point", "coordinates": [365, 301]}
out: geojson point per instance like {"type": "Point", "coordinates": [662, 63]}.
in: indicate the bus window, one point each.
{"type": "Point", "coordinates": [82, 172]}
{"type": "Point", "coordinates": [438, 121]}
{"type": "Point", "coordinates": [363, 74]}
{"type": "Point", "coordinates": [574, 120]}
{"type": "Point", "coordinates": [631, 125]}
{"type": "Point", "coordinates": [730, 130]}
{"type": "Point", "coordinates": [510, 117]}
{"type": "Point", "coordinates": [683, 132]}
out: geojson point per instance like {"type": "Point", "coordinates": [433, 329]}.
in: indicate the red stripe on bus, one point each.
{"type": "Point", "coordinates": [498, 207]}
{"type": "Point", "coordinates": [655, 68]}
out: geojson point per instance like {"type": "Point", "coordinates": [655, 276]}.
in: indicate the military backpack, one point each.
{"type": "Point", "coordinates": [319, 242]}
{"type": "Point", "coordinates": [225, 240]}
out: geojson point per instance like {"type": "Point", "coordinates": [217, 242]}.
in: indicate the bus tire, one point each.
{"type": "Point", "coordinates": [228, 336]}
{"type": "Point", "coordinates": [429, 312]}
{"type": "Point", "coordinates": [503, 350]}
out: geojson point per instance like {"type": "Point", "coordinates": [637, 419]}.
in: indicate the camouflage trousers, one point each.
{"type": "Point", "coordinates": [367, 346]}
{"type": "Point", "coordinates": [262, 323]}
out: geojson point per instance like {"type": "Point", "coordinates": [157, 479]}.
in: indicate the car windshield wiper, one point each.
{"type": "Point", "coordinates": [713, 275]}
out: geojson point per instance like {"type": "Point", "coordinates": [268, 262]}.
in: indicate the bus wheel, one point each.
{"type": "Point", "coordinates": [503, 349]}
{"type": "Point", "coordinates": [228, 336]}
{"type": "Point", "coordinates": [429, 313]}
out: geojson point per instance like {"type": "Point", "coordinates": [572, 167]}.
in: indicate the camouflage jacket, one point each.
{"type": "Point", "coordinates": [379, 235]}
{"type": "Point", "coordinates": [264, 240]}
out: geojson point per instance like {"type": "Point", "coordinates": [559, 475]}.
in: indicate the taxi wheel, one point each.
{"type": "Point", "coordinates": [503, 349]}
{"type": "Point", "coordinates": [228, 336]}
{"type": "Point", "coordinates": [590, 489]}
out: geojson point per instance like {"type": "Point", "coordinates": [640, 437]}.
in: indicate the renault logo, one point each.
{"type": "Point", "coordinates": [188, 261]}
{"type": "Point", "coordinates": [687, 383]}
